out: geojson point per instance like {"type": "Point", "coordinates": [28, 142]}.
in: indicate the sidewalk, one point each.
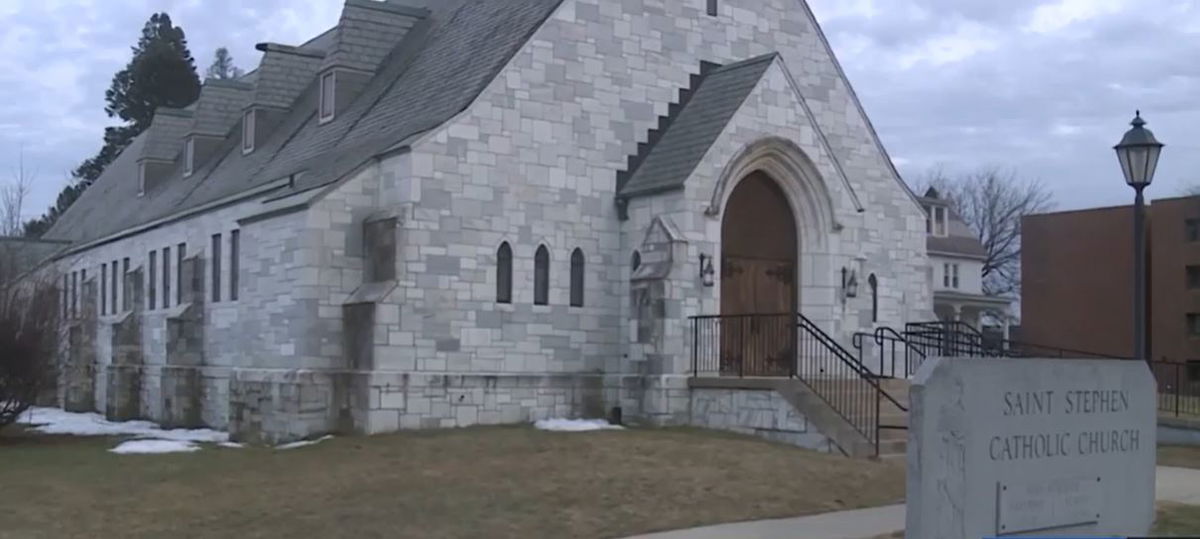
{"type": "Point", "coordinates": [1180, 485]}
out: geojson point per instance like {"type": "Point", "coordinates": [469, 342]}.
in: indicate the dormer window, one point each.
{"type": "Point", "coordinates": [712, 8]}
{"type": "Point", "coordinates": [248, 132]}
{"type": "Point", "coordinates": [936, 220]}
{"type": "Point", "coordinates": [141, 179]}
{"type": "Point", "coordinates": [189, 157]}
{"type": "Point", "coordinates": [327, 107]}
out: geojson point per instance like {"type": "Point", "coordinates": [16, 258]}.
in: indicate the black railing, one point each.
{"type": "Point", "coordinates": [895, 356]}
{"type": "Point", "coordinates": [1178, 389]}
{"type": "Point", "coordinates": [791, 345]}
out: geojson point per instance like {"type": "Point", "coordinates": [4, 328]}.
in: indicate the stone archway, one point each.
{"type": "Point", "coordinates": [759, 278]}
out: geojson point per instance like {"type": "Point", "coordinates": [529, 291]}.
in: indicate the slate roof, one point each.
{"type": "Point", "coordinates": [695, 127]}
{"type": "Point", "coordinates": [219, 106]}
{"type": "Point", "coordinates": [438, 68]}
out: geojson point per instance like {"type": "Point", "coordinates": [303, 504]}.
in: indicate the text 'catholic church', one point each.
{"type": "Point", "coordinates": [462, 212]}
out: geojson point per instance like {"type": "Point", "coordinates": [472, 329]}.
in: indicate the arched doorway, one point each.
{"type": "Point", "coordinates": [758, 279]}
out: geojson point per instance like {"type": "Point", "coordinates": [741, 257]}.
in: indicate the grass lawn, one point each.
{"type": "Point", "coordinates": [492, 481]}
{"type": "Point", "coordinates": [1177, 519]}
{"type": "Point", "coordinates": [1179, 455]}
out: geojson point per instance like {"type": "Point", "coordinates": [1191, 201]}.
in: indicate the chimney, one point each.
{"type": "Point", "coordinates": [366, 33]}
{"type": "Point", "coordinates": [164, 141]}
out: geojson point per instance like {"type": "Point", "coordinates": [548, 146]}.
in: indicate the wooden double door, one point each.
{"type": "Point", "coordinates": [758, 281]}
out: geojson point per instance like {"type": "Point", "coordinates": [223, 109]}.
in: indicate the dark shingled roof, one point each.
{"type": "Point", "coordinates": [956, 245]}
{"type": "Point", "coordinates": [435, 72]}
{"type": "Point", "coordinates": [696, 126]}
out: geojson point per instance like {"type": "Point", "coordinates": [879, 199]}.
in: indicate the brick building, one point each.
{"type": "Point", "coordinates": [470, 212]}
{"type": "Point", "coordinates": [1077, 279]}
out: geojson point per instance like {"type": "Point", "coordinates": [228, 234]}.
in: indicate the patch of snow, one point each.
{"type": "Point", "coordinates": [304, 443]}
{"type": "Point", "coordinates": [56, 421]}
{"type": "Point", "coordinates": [154, 447]}
{"type": "Point", "coordinates": [574, 425]}
{"type": "Point", "coordinates": [231, 445]}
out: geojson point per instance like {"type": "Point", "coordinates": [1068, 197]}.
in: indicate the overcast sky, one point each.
{"type": "Point", "coordinates": [1043, 87]}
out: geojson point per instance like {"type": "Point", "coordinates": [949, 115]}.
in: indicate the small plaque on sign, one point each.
{"type": "Point", "coordinates": [1047, 504]}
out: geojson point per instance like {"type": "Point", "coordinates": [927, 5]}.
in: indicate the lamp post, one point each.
{"type": "Point", "coordinates": [1138, 153]}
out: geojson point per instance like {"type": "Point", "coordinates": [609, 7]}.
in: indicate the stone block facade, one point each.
{"type": "Point", "coordinates": [761, 413]}
{"type": "Point", "coordinates": [371, 305]}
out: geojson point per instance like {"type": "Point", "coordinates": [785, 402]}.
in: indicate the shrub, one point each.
{"type": "Point", "coordinates": [28, 337]}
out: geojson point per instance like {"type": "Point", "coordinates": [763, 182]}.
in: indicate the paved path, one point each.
{"type": "Point", "coordinates": [1172, 485]}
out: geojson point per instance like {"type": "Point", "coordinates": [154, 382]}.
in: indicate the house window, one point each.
{"type": "Point", "coordinates": [103, 289]}
{"type": "Point", "coordinates": [141, 179]}
{"type": "Point", "coordinates": [234, 254]}
{"type": "Point", "coordinates": [74, 294]}
{"type": "Point", "coordinates": [189, 157]}
{"type": "Point", "coordinates": [635, 261]}
{"type": "Point", "coordinates": [327, 97]}
{"type": "Point", "coordinates": [216, 268]}
{"type": "Point", "coordinates": [248, 131]}
{"type": "Point", "coordinates": [1193, 324]}
{"type": "Point", "coordinates": [712, 8]}
{"type": "Point", "coordinates": [66, 296]}
{"type": "Point", "coordinates": [150, 293]}
{"type": "Point", "coordinates": [954, 280]}
{"type": "Point", "coordinates": [166, 277]}
{"type": "Point", "coordinates": [126, 303]}
{"type": "Point", "coordinates": [504, 261]}
{"type": "Point", "coordinates": [577, 278]}
{"type": "Point", "coordinates": [946, 275]}
{"type": "Point", "coordinates": [1191, 229]}
{"type": "Point", "coordinates": [180, 255]}
{"type": "Point", "coordinates": [874, 284]}
{"type": "Point", "coordinates": [113, 289]}
{"type": "Point", "coordinates": [541, 276]}
{"type": "Point", "coordinates": [940, 227]}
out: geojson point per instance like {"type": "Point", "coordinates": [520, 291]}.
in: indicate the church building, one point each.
{"type": "Point", "coordinates": [446, 213]}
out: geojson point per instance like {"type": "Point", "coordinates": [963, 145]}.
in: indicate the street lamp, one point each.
{"type": "Point", "coordinates": [1138, 153]}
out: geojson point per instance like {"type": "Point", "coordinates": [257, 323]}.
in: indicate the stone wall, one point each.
{"type": "Point", "coordinates": [760, 413]}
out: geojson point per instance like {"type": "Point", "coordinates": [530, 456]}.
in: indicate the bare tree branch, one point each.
{"type": "Point", "coordinates": [13, 196]}
{"type": "Point", "coordinates": [992, 202]}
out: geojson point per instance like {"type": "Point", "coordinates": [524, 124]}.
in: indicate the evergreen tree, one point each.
{"type": "Point", "coordinates": [222, 67]}
{"type": "Point", "coordinates": [162, 73]}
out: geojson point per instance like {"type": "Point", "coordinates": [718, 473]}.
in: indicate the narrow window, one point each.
{"type": "Point", "coordinates": [1193, 277]}
{"type": "Point", "coordinates": [1191, 228]}
{"type": "Point", "coordinates": [125, 300]}
{"type": "Point", "coordinates": [141, 177]}
{"type": "Point", "coordinates": [113, 289]}
{"type": "Point", "coordinates": [504, 262]}
{"type": "Point", "coordinates": [954, 282]}
{"type": "Point", "coordinates": [577, 278]}
{"type": "Point", "coordinates": [946, 275]}
{"type": "Point", "coordinates": [82, 284]}
{"type": "Point", "coordinates": [327, 86]}
{"type": "Point", "coordinates": [166, 277]}
{"type": "Point", "coordinates": [216, 268]}
{"type": "Point", "coordinates": [189, 157]}
{"type": "Point", "coordinates": [74, 294]}
{"type": "Point", "coordinates": [234, 249]}
{"type": "Point", "coordinates": [939, 219]}
{"type": "Point", "coordinates": [712, 8]}
{"type": "Point", "coordinates": [635, 261]}
{"type": "Point", "coordinates": [151, 296]}
{"type": "Point", "coordinates": [874, 284]}
{"type": "Point", "coordinates": [929, 219]}
{"type": "Point", "coordinates": [180, 255]}
{"type": "Point", "coordinates": [66, 296]}
{"type": "Point", "coordinates": [1193, 324]}
{"type": "Point", "coordinates": [248, 131]}
{"type": "Point", "coordinates": [103, 289]}
{"type": "Point", "coordinates": [541, 276]}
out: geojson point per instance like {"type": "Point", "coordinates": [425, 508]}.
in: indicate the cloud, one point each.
{"type": "Point", "coordinates": [1045, 87]}
{"type": "Point", "coordinates": [53, 106]}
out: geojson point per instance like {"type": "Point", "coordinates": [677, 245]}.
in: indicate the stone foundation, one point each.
{"type": "Point", "coordinates": [762, 413]}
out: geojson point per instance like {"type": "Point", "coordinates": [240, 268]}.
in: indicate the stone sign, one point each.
{"type": "Point", "coordinates": [1015, 447]}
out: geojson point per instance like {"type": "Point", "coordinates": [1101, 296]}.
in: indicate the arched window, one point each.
{"type": "Point", "coordinates": [541, 276]}
{"type": "Point", "coordinates": [577, 278]}
{"type": "Point", "coordinates": [874, 283]}
{"type": "Point", "coordinates": [635, 261]}
{"type": "Point", "coordinates": [504, 274]}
